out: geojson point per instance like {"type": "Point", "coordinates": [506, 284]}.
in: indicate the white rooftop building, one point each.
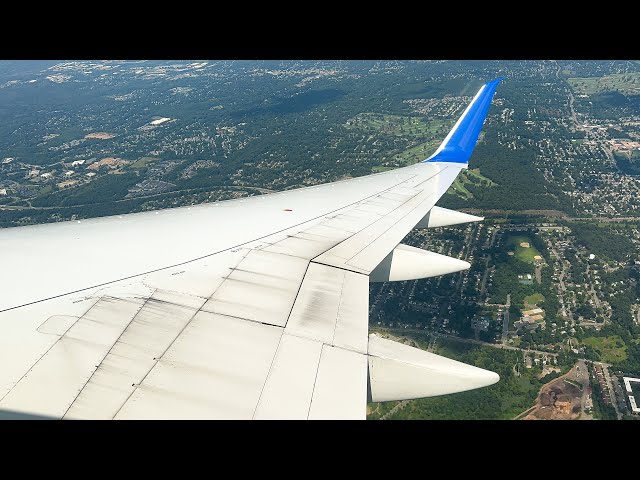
{"type": "Point", "coordinates": [632, 400]}
{"type": "Point", "coordinates": [160, 121]}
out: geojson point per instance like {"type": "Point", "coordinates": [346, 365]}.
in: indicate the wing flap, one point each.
{"type": "Point", "coordinates": [215, 369]}
{"type": "Point", "coordinates": [134, 354]}
{"type": "Point", "coordinates": [340, 391]}
{"type": "Point", "coordinates": [255, 290]}
{"type": "Point", "coordinates": [68, 365]}
{"type": "Point", "coordinates": [332, 307]}
{"type": "Point", "coordinates": [288, 391]}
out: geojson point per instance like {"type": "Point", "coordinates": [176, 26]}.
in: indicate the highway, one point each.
{"type": "Point", "coordinates": [547, 213]}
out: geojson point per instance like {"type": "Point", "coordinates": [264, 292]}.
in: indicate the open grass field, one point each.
{"type": "Point", "coordinates": [534, 299]}
{"type": "Point", "coordinates": [466, 177]}
{"type": "Point", "coordinates": [399, 125]}
{"type": "Point", "coordinates": [46, 190]}
{"type": "Point", "coordinates": [458, 188]}
{"type": "Point", "coordinates": [522, 253]}
{"type": "Point", "coordinates": [418, 153]}
{"type": "Point", "coordinates": [625, 83]}
{"type": "Point", "coordinates": [611, 349]}
{"type": "Point", "coordinates": [142, 162]}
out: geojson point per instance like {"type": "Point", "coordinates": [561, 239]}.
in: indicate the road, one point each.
{"type": "Point", "coordinates": [596, 300]}
{"type": "Point", "coordinates": [612, 392]}
{"type": "Point", "coordinates": [469, 235]}
{"type": "Point", "coordinates": [577, 125]}
{"type": "Point", "coordinates": [592, 291]}
{"type": "Point", "coordinates": [398, 406]}
{"type": "Point", "coordinates": [187, 190]}
{"type": "Point", "coordinates": [582, 376]}
{"type": "Point", "coordinates": [571, 99]}
{"type": "Point", "coordinates": [548, 213]}
{"type": "Point", "coordinates": [573, 112]}
{"type": "Point", "coordinates": [561, 286]}
{"type": "Point", "coordinates": [505, 321]}
{"type": "Point", "coordinates": [404, 331]}
{"type": "Point", "coordinates": [487, 270]}
{"type": "Point", "coordinates": [538, 274]}
{"type": "Point", "coordinates": [493, 237]}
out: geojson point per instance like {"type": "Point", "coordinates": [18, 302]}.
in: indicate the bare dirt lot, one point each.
{"type": "Point", "coordinates": [100, 135]}
{"type": "Point", "coordinates": [558, 400]}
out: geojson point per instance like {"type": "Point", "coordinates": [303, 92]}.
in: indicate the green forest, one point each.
{"type": "Point", "coordinates": [603, 240]}
{"type": "Point", "coordinates": [514, 393]}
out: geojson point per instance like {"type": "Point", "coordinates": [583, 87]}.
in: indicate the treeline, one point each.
{"type": "Point", "coordinates": [11, 218]}
{"type": "Point", "coordinates": [628, 166]}
{"type": "Point", "coordinates": [505, 279]}
{"type": "Point", "coordinates": [540, 245]}
{"type": "Point", "coordinates": [107, 188]}
{"type": "Point", "coordinates": [503, 400]}
{"type": "Point", "coordinates": [520, 186]}
{"type": "Point", "coordinates": [602, 240]}
{"type": "Point", "coordinates": [621, 297]}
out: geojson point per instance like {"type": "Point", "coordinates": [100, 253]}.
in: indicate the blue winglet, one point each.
{"type": "Point", "coordinates": [462, 138]}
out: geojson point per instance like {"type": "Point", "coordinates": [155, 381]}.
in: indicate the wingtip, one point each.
{"type": "Point", "coordinates": [493, 378]}
{"type": "Point", "coordinates": [461, 140]}
{"type": "Point", "coordinates": [401, 372]}
{"type": "Point", "coordinates": [493, 84]}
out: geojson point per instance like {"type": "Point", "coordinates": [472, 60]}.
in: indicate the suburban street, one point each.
{"type": "Point", "coordinates": [607, 377]}
{"type": "Point", "coordinates": [505, 321]}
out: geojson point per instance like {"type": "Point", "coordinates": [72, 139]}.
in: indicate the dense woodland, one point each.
{"type": "Point", "coordinates": [603, 240]}
{"type": "Point", "coordinates": [503, 400]}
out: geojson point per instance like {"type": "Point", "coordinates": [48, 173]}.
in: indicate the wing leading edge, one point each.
{"type": "Point", "coordinates": [459, 143]}
{"type": "Point", "coordinates": [266, 324]}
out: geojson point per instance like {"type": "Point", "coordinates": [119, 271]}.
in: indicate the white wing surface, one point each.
{"type": "Point", "coordinates": [252, 308]}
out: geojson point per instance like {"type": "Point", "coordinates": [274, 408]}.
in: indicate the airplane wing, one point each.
{"type": "Point", "coordinates": [254, 308]}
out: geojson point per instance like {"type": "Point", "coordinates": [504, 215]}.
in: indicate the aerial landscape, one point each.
{"type": "Point", "coordinates": [552, 299]}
